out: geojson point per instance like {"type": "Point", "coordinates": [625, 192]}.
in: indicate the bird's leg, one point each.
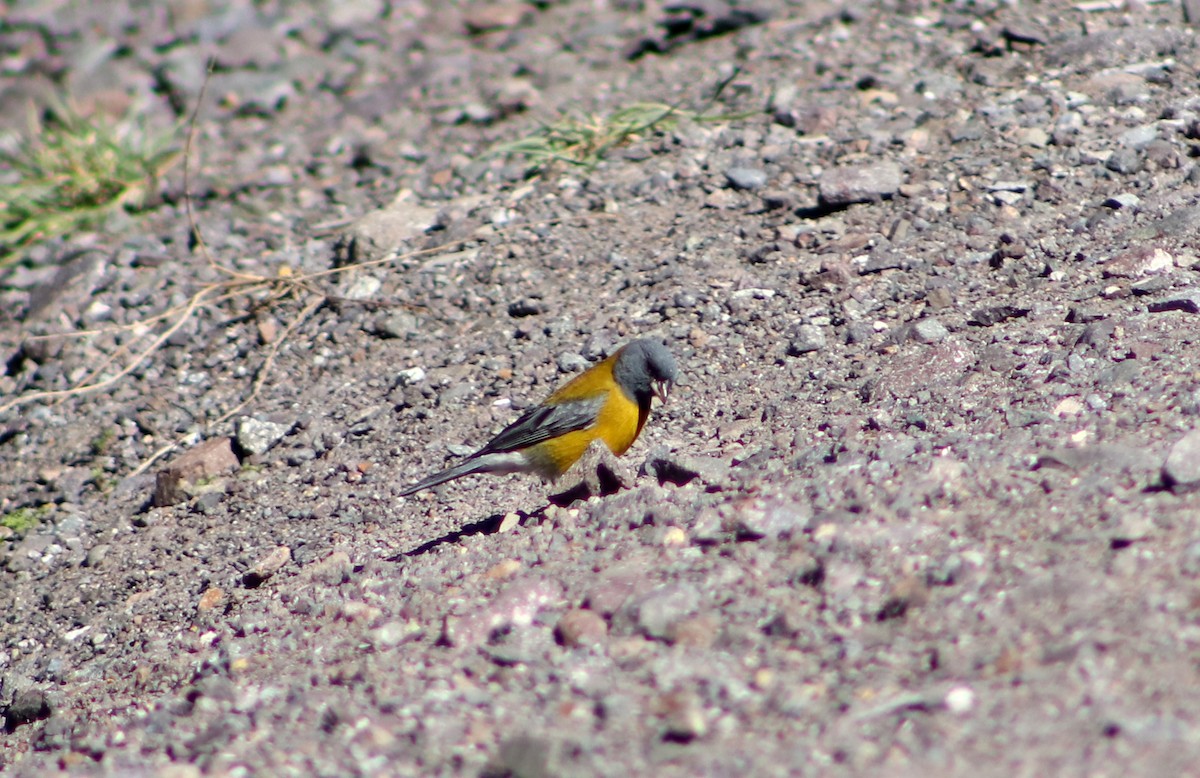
{"type": "Point", "coordinates": [597, 473]}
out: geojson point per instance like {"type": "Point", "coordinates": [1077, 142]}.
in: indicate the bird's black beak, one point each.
{"type": "Point", "coordinates": [662, 389]}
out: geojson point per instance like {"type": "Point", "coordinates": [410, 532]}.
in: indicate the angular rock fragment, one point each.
{"type": "Point", "coordinates": [184, 477]}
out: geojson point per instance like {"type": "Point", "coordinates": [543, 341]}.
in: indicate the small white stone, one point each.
{"type": "Point", "coordinates": [411, 376]}
{"type": "Point", "coordinates": [960, 699]}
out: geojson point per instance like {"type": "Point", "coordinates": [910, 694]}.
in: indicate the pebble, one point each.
{"type": "Point", "coordinates": [267, 566]}
{"type": "Point", "coordinates": [495, 16]}
{"type": "Point", "coordinates": [96, 555]}
{"type": "Point", "coordinates": [1067, 407]}
{"type": "Point", "coordinates": [722, 199]}
{"type": "Point", "coordinates": [210, 459]}
{"type": "Point", "coordinates": [1181, 471]}
{"type": "Point", "coordinates": [752, 293]}
{"type": "Point", "coordinates": [571, 362]}
{"type": "Point", "coordinates": [929, 331]}
{"type": "Point", "coordinates": [920, 369]}
{"type": "Point", "coordinates": [759, 518]}
{"type": "Point", "coordinates": [579, 628]}
{"type": "Point", "coordinates": [1123, 89]}
{"type": "Point", "coordinates": [361, 287]}
{"type": "Point", "coordinates": [656, 613]}
{"type": "Point", "coordinates": [27, 706]}
{"type": "Point", "coordinates": [1138, 138]}
{"type": "Point", "coordinates": [530, 757]}
{"type": "Point", "coordinates": [1141, 261]}
{"type": "Point", "coordinates": [503, 570]}
{"type": "Point", "coordinates": [515, 606]}
{"type": "Point", "coordinates": [746, 177]}
{"type": "Point", "coordinates": [683, 716]}
{"type": "Point", "coordinates": [72, 285]}
{"type": "Point", "coordinates": [1125, 161]}
{"type": "Point", "coordinates": [1123, 200]}
{"type": "Point", "coordinates": [615, 587]}
{"type": "Point", "coordinates": [699, 632]}
{"type": "Point", "coordinates": [987, 317]}
{"type": "Point", "coordinates": [1132, 527]}
{"type": "Point", "coordinates": [1182, 222]}
{"type": "Point", "coordinates": [948, 573]}
{"type": "Point", "coordinates": [708, 526]}
{"type": "Point", "coordinates": [212, 598]}
{"type": "Point", "coordinates": [686, 299]}
{"type": "Point", "coordinates": [333, 570]}
{"type": "Point", "coordinates": [256, 436]}
{"type": "Point", "coordinates": [842, 186]}
{"type": "Point", "coordinates": [526, 306]}
{"type": "Point", "coordinates": [1152, 285]}
{"type": "Point", "coordinates": [1034, 137]}
{"type": "Point", "coordinates": [789, 621]}
{"type": "Point", "coordinates": [394, 633]}
{"type": "Point", "coordinates": [1097, 334]}
{"type": "Point", "coordinates": [960, 700]}
{"type": "Point", "coordinates": [397, 324]}
{"type": "Point", "coordinates": [410, 376]}
{"type": "Point", "coordinates": [777, 198]}
{"type": "Point", "coordinates": [1187, 302]}
{"type": "Point", "coordinates": [510, 522]}
{"type": "Point", "coordinates": [252, 91]}
{"type": "Point", "coordinates": [519, 645]}
{"type": "Point", "coordinates": [804, 339]}
{"type": "Point", "coordinates": [1190, 561]}
{"type": "Point", "coordinates": [384, 231]}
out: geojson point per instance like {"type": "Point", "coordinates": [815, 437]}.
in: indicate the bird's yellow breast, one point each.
{"type": "Point", "coordinates": [618, 422]}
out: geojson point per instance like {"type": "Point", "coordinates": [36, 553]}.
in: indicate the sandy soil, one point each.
{"type": "Point", "coordinates": [922, 502]}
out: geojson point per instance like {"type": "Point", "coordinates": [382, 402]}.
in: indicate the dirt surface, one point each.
{"type": "Point", "coordinates": [922, 502]}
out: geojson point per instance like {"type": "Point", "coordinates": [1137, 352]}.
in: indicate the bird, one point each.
{"type": "Point", "coordinates": [609, 401]}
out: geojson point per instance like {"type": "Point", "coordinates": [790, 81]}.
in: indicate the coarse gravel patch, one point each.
{"type": "Point", "coordinates": [923, 498]}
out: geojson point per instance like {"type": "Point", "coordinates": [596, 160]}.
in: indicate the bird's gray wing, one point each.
{"type": "Point", "coordinates": [544, 422]}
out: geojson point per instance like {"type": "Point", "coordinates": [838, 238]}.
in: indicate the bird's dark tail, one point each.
{"type": "Point", "coordinates": [466, 467]}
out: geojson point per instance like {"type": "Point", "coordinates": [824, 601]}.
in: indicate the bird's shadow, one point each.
{"type": "Point", "coordinates": [605, 483]}
{"type": "Point", "coordinates": [488, 526]}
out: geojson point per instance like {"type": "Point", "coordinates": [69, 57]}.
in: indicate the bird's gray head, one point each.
{"type": "Point", "coordinates": [645, 367]}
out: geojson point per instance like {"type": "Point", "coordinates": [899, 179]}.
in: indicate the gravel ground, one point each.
{"type": "Point", "coordinates": [924, 501]}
